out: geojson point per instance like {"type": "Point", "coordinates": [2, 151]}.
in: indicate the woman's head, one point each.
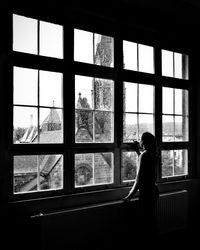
{"type": "Point", "coordinates": [148, 141]}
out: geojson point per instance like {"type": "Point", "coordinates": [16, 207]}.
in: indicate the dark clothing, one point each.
{"type": "Point", "coordinates": [148, 193]}
{"type": "Point", "coordinates": [147, 176]}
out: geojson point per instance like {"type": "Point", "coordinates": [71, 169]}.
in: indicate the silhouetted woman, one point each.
{"type": "Point", "coordinates": [145, 182]}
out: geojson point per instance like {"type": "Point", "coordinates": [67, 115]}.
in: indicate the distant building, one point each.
{"type": "Point", "coordinates": [42, 172]}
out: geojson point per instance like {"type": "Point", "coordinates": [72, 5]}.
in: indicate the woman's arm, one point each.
{"type": "Point", "coordinates": [135, 186]}
{"type": "Point", "coordinates": [132, 192]}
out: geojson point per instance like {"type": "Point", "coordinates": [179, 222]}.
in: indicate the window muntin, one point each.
{"type": "Point", "coordinates": [175, 114]}
{"type": "Point", "coordinates": [174, 163]}
{"type": "Point", "coordinates": [93, 48]}
{"type": "Point", "coordinates": [94, 109]}
{"type": "Point", "coordinates": [33, 173]}
{"type": "Point", "coordinates": [175, 64]}
{"type": "Point", "coordinates": [129, 166]}
{"type": "Point", "coordinates": [37, 113]}
{"type": "Point", "coordinates": [93, 169]}
{"type": "Point", "coordinates": [138, 110]}
{"type": "Point", "coordinates": [138, 57]}
{"type": "Point", "coordinates": [37, 37]}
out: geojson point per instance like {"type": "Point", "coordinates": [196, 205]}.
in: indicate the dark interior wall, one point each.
{"type": "Point", "coordinates": [111, 222]}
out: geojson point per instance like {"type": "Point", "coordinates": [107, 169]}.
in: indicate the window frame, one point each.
{"type": "Point", "coordinates": [70, 68]}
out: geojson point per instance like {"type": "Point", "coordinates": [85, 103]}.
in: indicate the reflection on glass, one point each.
{"type": "Point", "coordinates": [129, 166]}
{"type": "Point", "coordinates": [25, 86]}
{"type": "Point", "coordinates": [25, 124]}
{"type": "Point", "coordinates": [51, 40]}
{"type": "Point", "coordinates": [130, 128]}
{"type": "Point", "coordinates": [174, 163]}
{"type": "Point", "coordinates": [53, 82]}
{"type": "Point", "coordinates": [25, 34]}
{"type": "Point", "coordinates": [130, 55]}
{"type": "Point", "coordinates": [96, 95]}
{"type": "Point", "coordinates": [130, 96]}
{"type": "Point", "coordinates": [51, 126]}
{"type": "Point", "coordinates": [93, 169]}
{"type": "Point", "coordinates": [146, 98]}
{"type": "Point", "coordinates": [146, 58]}
{"type": "Point", "coordinates": [167, 63]}
{"type": "Point", "coordinates": [34, 173]}
{"type": "Point", "coordinates": [93, 48]}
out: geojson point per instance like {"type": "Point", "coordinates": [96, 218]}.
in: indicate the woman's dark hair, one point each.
{"type": "Point", "coordinates": [149, 142]}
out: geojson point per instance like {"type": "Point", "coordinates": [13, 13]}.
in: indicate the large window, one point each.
{"type": "Point", "coordinates": [175, 116]}
{"type": "Point", "coordinates": [79, 103]}
{"type": "Point", "coordinates": [37, 105]}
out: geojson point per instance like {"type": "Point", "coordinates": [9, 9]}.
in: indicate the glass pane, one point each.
{"type": "Point", "coordinates": [51, 126]}
{"type": "Point", "coordinates": [84, 126]}
{"type": "Point", "coordinates": [179, 101]}
{"type": "Point", "coordinates": [167, 63]}
{"type": "Point", "coordinates": [129, 166]}
{"type": "Point", "coordinates": [168, 100]}
{"type": "Point", "coordinates": [95, 94]}
{"type": "Point", "coordinates": [130, 128]}
{"type": "Point", "coordinates": [83, 46]}
{"type": "Point", "coordinates": [93, 169]}
{"type": "Point", "coordinates": [84, 95]}
{"type": "Point", "coordinates": [51, 84]}
{"type": "Point", "coordinates": [130, 55]}
{"type": "Point", "coordinates": [103, 168]}
{"type": "Point", "coordinates": [25, 34]}
{"type": "Point", "coordinates": [34, 173]}
{"type": "Point", "coordinates": [130, 97]}
{"type": "Point", "coordinates": [181, 66]}
{"type": "Point", "coordinates": [178, 65]}
{"type": "Point", "coordinates": [25, 124]}
{"type": "Point", "coordinates": [181, 128]}
{"type": "Point", "coordinates": [104, 129]}
{"type": "Point", "coordinates": [103, 94]}
{"type": "Point", "coordinates": [146, 98]}
{"type": "Point", "coordinates": [146, 58]}
{"type": "Point", "coordinates": [185, 65]}
{"type": "Point", "coordinates": [146, 124]}
{"type": "Point", "coordinates": [168, 128]}
{"type": "Point", "coordinates": [84, 170]}
{"type": "Point", "coordinates": [180, 162]}
{"type": "Point", "coordinates": [167, 163]}
{"type": "Point", "coordinates": [51, 40]}
{"type": "Point", "coordinates": [103, 50]}
{"type": "Point", "coordinates": [25, 86]}
{"type": "Point", "coordinates": [185, 102]}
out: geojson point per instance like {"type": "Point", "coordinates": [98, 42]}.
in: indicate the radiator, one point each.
{"type": "Point", "coordinates": [172, 211]}
{"type": "Point", "coordinates": [79, 225]}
